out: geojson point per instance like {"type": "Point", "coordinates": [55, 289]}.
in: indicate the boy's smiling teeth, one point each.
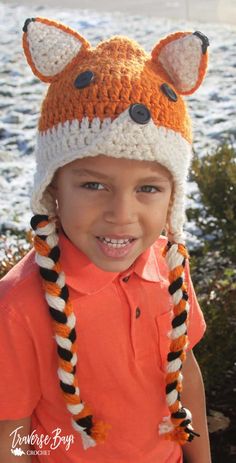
{"type": "Point", "coordinates": [114, 242]}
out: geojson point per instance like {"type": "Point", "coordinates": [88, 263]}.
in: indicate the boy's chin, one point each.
{"type": "Point", "coordinates": [113, 266]}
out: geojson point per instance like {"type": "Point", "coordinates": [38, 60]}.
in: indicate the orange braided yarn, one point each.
{"type": "Point", "coordinates": [177, 345]}
{"type": "Point", "coordinates": [98, 430]}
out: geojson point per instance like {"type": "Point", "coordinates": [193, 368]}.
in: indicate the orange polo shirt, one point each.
{"type": "Point", "coordinates": [122, 325]}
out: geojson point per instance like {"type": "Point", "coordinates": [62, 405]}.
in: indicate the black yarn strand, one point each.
{"type": "Point", "coordinates": [36, 219]}
{"type": "Point", "coordinates": [179, 319]}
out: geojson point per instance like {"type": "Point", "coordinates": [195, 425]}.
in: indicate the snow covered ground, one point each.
{"type": "Point", "coordinates": [213, 106]}
{"type": "Point", "coordinates": [203, 10]}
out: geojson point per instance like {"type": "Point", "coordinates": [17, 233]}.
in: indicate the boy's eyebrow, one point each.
{"type": "Point", "coordinates": [81, 172]}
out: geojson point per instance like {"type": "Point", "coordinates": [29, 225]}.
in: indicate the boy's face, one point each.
{"type": "Point", "coordinates": [119, 199]}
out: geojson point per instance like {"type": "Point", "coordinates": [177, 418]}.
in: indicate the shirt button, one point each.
{"type": "Point", "coordinates": [138, 312]}
{"type": "Point", "coordinates": [125, 279]}
{"type": "Point", "coordinates": [139, 113]}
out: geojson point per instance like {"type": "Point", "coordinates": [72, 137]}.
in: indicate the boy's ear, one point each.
{"type": "Point", "coordinates": [50, 46]}
{"type": "Point", "coordinates": [52, 188]}
{"type": "Point", "coordinates": [52, 191]}
{"type": "Point", "coordinates": [184, 57]}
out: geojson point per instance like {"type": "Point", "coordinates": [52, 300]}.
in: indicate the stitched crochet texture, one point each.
{"type": "Point", "coordinates": [77, 122]}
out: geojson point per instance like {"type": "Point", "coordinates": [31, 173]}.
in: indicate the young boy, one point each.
{"type": "Point", "coordinates": [94, 320]}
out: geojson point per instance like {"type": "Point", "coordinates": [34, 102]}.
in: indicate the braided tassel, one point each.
{"type": "Point", "coordinates": [178, 426]}
{"type": "Point", "coordinates": [57, 295]}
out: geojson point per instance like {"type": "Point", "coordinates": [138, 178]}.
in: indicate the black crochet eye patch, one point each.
{"type": "Point", "coordinates": [169, 92]}
{"type": "Point", "coordinates": [84, 79]}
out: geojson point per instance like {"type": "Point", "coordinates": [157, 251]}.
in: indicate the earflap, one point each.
{"type": "Point", "coordinates": [50, 46]}
{"type": "Point", "coordinates": [184, 57]}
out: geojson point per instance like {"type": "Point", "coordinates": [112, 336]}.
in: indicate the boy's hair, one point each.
{"type": "Point", "coordinates": [118, 101]}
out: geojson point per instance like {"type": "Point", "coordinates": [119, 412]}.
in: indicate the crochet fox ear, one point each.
{"type": "Point", "coordinates": [50, 46]}
{"type": "Point", "coordinates": [184, 58]}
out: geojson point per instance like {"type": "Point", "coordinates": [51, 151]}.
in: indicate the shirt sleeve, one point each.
{"type": "Point", "coordinates": [19, 385]}
{"type": "Point", "coordinates": [196, 324]}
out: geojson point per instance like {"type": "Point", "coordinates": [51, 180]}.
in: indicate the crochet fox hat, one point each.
{"type": "Point", "coordinates": [118, 101]}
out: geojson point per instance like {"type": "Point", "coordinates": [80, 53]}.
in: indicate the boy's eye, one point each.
{"type": "Point", "coordinates": [150, 189]}
{"type": "Point", "coordinates": [92, 186]}
{"type": "Point", "coordinates": [99, 186]}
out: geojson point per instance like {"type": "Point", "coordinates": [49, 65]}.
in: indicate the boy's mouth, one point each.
{"type": "Point", "coordinates": [115, 242]}
{"type": "Point", "coordinates": [116, 248]}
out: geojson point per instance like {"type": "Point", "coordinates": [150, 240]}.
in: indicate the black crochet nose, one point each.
{"type": "Point", "coordinates": [139, 113]}
{"type": "Point", "coordinates": [84, 79]}
{"type": "Point", "coordinates": [169, 92]}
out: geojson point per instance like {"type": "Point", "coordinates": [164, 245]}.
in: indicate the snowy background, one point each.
{"type": "Point", "coordinates": [212, 107]}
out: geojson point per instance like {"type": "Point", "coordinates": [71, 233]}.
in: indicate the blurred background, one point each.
{"type": "Point", "coordinates": [202, 10]}
{"type": "Point", "coordinates": [211, 207]}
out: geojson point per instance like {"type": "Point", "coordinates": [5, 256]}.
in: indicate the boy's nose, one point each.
{"type": "Point", "coordinates": [121, 210]}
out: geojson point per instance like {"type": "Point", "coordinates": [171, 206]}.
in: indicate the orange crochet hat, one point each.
{"type": "Point", "coordinates": [118, 101]}
{"type": "Point", "coordinates": [115, 100]}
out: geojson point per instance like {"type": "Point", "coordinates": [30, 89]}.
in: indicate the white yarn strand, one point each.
{"type": "Point", "coordinates": [65, 343]}
{"type": "Point", "coordinates": [177, 296]}
{"type": "Point", "coordinates": [71, 321]}
{"type": "Point", "coordinates": [65, 377]}
{"type": "Point", "coordinates": [174, 365]}
{"type": "Point", "coordinates": [75, 408]}
{"type": "Point", "coordinates": [44, 262]}
{"type": "Point", "coordinates": [61, 280]}
{"type": "Point", "coordinates": [52, 240]}
{"type": "Point", "coordinates": [172, 397]}
{"type": "Point", "coordinates": [179, 331]}
{"type": "Point", "coordinates": [46, 230]}
{"type": "Point", "coordinates": [87, 441]}
{"type": "Point", "coordinates": [56, 302]}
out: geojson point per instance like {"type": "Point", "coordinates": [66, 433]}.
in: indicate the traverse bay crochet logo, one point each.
{"type": "Point", "coordinates": [18, 452]}
{"type": "Point", "coordinates": [39, 441]}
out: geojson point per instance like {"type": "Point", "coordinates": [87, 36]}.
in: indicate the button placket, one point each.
{"type": "Point", "coordinates": [142, 327]}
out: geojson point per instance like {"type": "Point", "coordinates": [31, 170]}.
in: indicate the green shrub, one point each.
{"type": "Point", "coordinates": [13, 247]}
{"type": "Point", "coordinates": [214, 278]}
{"type": "Point", "coordinates": [215, 175]}
{"type": "Point", "coordinates": [214, 273]}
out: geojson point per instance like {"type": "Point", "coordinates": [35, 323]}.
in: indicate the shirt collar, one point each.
{"type": "Point", "coordinates": [84, 276]}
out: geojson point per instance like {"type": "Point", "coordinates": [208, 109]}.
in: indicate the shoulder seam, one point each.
{"type": "Point", "coordinates": [17, 284]}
